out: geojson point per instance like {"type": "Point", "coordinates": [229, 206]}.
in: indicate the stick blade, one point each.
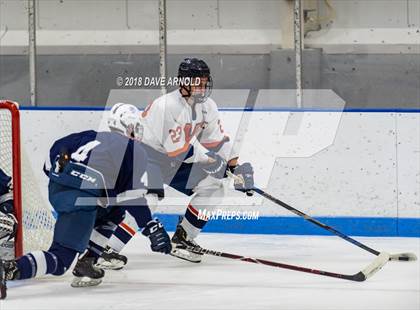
{"type": "Point", "coordinates": [403, 257]}
{"type": "Point", "coordinates": [373, 267]}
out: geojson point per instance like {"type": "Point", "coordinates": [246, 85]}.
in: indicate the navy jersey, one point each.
{"type": "Point", "coordinates": [5, 183]}
{"type": "Point", "coordinates": [120, 160]}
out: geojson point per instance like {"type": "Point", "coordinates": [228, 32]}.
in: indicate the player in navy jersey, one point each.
{"type": "Point", "coordinates": [93, 178]}
{"type": "Point", "coordinates": [8, 223]}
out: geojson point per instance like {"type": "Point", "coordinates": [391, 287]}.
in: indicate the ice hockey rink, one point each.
{"type": "Point", "coordinates": [321, 97]}
{"type": "Point", "coordinates": [153, 281]}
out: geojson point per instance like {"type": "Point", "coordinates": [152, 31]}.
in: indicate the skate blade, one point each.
{"type": "Point", "coordinates": [110, 265]}
{"type": "Point", "coordinates": [186, 255]}
{"type": "Point", "coordinates": [85, 282]}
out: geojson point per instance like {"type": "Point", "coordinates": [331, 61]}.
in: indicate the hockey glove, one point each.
{"type": "Point", "coordinates": [216, 169]}
{"type": "Point", "coordinates": [246, 173]}
{"type": "Point", "coordinates": [8, 226]}
{"type": "Point", "coordinates": [159, 238]}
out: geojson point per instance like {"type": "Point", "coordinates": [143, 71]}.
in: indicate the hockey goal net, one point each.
{"type": "Point", "coordinates": [34, 214]}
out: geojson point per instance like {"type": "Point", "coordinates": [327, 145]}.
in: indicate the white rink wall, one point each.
{"type": "Point", "coordinates": [226, 26]}
{"type": "Point", "coordinates": [371, 168]}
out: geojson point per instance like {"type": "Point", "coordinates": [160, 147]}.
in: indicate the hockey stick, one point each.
{"type": "Point", "coordinates": [360, 276]}
{"type": "Point", "coordinates": [393, 257]}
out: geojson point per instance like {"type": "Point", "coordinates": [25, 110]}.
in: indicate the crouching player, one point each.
{"type": "Point", "coordinates": [8, 223]}
{"type": "Point", "coordinates": [88, 174]}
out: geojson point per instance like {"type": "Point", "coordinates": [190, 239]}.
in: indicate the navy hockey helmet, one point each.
{"type": "Point", "coordinates": [190, 72]}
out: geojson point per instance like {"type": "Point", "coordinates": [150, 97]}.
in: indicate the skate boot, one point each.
{"type": "Point", "coordinates": [86, 273]}
{"type": "Point", "coordinates": [111, 260]}
{"type": "Point", "coordinates": [8, 271]}
{"type": "Point", "coordinates": [180, 243]}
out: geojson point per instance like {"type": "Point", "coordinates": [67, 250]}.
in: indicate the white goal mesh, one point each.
{"type": "Point", "coordinates": [37, 220]}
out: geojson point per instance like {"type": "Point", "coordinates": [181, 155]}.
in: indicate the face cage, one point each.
{"type": "Point", "coordinates": [130, 131]}
{"type": "Point", "coordinates": [199, 98]}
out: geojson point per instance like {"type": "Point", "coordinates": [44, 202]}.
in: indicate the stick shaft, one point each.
{"type": "Point", "coordinates": [356, 277]}
{"type": "Point", "coordinates": [314, 221]}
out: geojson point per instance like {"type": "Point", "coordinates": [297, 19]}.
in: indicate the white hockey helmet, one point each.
{"type": "Point", "coordinates": [125, 119]}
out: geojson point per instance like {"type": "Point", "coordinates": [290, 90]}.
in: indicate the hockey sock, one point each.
{"type": "Point", "coordinates": [137, 217]}
{"type": "Point", "coordinates": [121, 237]}
{"type": "Point", "coordinates": [141, 214]}
{"type": "Point", "coordinates": [99, 238]}
{"type": "Point", "coordinates": [192, 222]}
{"type": "Point", "coordinates": [55, 261]}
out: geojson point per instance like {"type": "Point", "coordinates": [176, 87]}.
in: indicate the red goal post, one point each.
{"type": "Point", "coordinates": [33, 212]}
{"type": "Point", "coordinates": [15, 155]}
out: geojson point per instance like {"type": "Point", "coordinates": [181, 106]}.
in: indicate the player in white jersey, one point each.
{"type": "Point", "coordinates": [183, 133]}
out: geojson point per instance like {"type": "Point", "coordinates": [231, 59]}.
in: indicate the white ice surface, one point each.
{"type": "Point", "coordinates": [154, 281]}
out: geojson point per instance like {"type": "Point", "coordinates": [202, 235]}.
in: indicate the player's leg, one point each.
{"type": "Point", "coordinates": [74, 228]}
{"type": "Point", "coordinates": [71, 236]}
{"type": "Point", "coordinates": [125, 231]}
{"type": "Point", "coordinates": [135, 218]}
{"type": "Point", "coordinates": [133, 221]}
{"type": "Point", "coordinates": [64, 249]}
{"type": "Point", "coordinates": [105, 223]}
{"type": "Point", "coordinates": [191, 179]}
{"type": "Point", "coordinates": [208, 194]}
{"type": "Point", "coordinates": [138, 216]}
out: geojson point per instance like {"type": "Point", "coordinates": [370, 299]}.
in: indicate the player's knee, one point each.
{"type": "Point", "coordinates": [141, 214]}
{"type": "Point", "coordinates": [63, 258]}
{"type": "Point", "coordinates": [117, 215]}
